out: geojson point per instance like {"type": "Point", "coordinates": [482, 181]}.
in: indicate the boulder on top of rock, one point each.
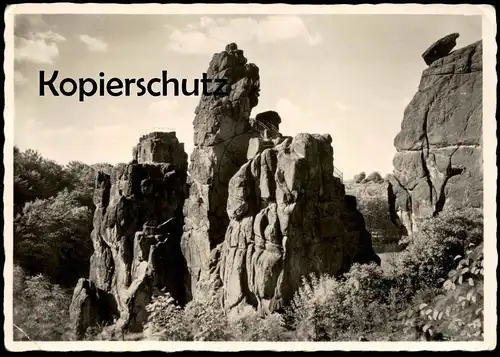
{"type": "Point", "coordinates": [440, 48]}
{"type": "Point", "coordinates": [438, 164]}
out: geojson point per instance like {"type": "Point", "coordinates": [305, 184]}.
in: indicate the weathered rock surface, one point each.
{"type": "Point", "coordinates": [438, 163]}
{"type": "Point", "coordinates": [136, 237]}
{"type": "Point", "coordinates": [440, 48]}
{"type": "Point", "coordinates": [289, 217]}
{"type": "Point", "coordinates": [222, 131]}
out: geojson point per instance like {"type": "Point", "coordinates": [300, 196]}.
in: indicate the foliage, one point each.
{"type": "Point", "coordinates": [166, 320]}
{"type": "Point", "coordinates": [36, 177]}
{"type": "Point", "coordinates": [326, 308]}
{"type": "Point", "coordinates": [40, 308]}
{"type": "Point", "coordinates": [248, 325]}
{"type": "Point", "coordinates": [53, 208]}
{"type": "Point", "coordinates": [367, 299]}
{"type": "Point", "coordinates": [201, 320]}
{"type": "Point", "coordinates": [429, 253]}
{"type": "Point", "coordinates": [52, 237]}
{"type": "Point", "coordinates": [458, 311]}
{"type": "Point", "coordinates": [374, 177]}
{"type": "Point", "coordinates": [359, 177]}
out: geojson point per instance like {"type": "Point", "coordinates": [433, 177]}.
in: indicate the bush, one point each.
{"type": "Point", "coordinates": [40, 309]}
{"type": "Point", "coordinates": [433, 257]}
{"type": "Point", "coordinates": [458, 311]}
{"type": "Point", "coordinates": [331, 309]}
{"type": "Point", "coordinates": [166, 320]}
{"type": "Point", "coordinates": [201, 320]}
{"type": "Point", "coordinates": [366, 300]}
{"type": "Point", "coordinates": [248, 325]}
{"type": "Point", "coordinates": [430, 252]}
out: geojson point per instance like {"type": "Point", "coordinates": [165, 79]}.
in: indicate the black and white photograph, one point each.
{"type": "Point", "coordinates": [277, 177]}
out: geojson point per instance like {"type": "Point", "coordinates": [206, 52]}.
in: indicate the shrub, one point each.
{"type": "Point", "coordinates": [433, 256]}
{"type": "Point", "coordinates": [429, 253]}
{"type": "Point", "coordinates": [328, 308]}
{"type": "Point", "coordinates": [248, 325]}
{"type": "Point", "coordinates": [166, 320]}
{"type": "Point", "coordinates": [457, 312]}
{"type": "Point", "coordinates": [365, 301]}
{"type": "Point", "coordinates": [202, 319]}
{"type": "Point", "coordinates": [40, 309]}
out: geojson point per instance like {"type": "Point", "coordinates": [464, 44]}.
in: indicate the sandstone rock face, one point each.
{"type": "Point", "coordinates": [136, 237]}
{"type": "Point", "coordinates": [221, 134]}
{"type": "Point", "coordinates": [438, 163]}
{"type": "Point", "coordinates": [160, 147]}
{"type": "Point", "coordinates": [289, 217]}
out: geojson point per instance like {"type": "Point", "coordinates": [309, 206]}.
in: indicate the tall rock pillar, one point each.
{"type": "Point", "coordinates": [221, 133]}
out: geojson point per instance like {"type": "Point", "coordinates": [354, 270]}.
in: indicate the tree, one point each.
{"type": "Point", "coordinates": [52, 237]}
{"type": "Point", "coordinates": [359, 177]}
{"type": "Point", "coordinates": [374, 177]}
{"type": "Point", "coordinates": [36, 177]}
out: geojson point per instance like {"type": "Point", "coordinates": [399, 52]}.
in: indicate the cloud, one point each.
{"type": "Point", "coordinates": [35, 41]}
{"type": "Point", "coordinates": [210, 35]}
{"type": "Point", "coordinates": [39, 47]}
{"type": "Point", "coordinates": [94, 44]}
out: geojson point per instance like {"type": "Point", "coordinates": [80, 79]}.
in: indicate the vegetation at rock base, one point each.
{"type": "Point", "coordinates": [40, 308]}
{"type": "Point", "coordinates": [53, 210]}
{"type": "Point", "coordinates": [432, 289]}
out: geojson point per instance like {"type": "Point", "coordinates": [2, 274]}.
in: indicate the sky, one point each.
{"type": "Point", "coordinates": [350, 76]}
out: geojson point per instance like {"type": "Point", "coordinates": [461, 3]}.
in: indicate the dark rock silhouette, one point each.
{"type": "Point", "coordinates": [438, 163]}
{"type": "Point", "coordinates": [440, 48]}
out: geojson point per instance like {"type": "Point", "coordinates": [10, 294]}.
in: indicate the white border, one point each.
{"type": "Point", "coordinates": [489, 141]}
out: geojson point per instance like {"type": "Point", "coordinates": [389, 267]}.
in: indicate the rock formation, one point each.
{"type": "Point", "coordinates": [222, 130]}
{"type": "Point", "coordinates": [438, 163]}
{"type": "Point", "coordinates": [440, 48]}
{"type": "Point", "coordinates": [262, 212]}
{"type": "Point", "coordinates": [136, 237]}
{"type": "Point", "coordinates": [289, 217]}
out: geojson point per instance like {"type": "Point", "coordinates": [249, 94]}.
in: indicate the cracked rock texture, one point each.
{"type": "Point", "coordinates": [289, 217]}
{"type": "Point", "coordinates": [222, 130]}
{"type": "Point", "coordinates": [439, 162]}
{"type": "Point", "coordinates": [136, 237]}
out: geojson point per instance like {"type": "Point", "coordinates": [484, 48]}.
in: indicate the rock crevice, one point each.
{"type": "Point", "coordinates": [137, 226]}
